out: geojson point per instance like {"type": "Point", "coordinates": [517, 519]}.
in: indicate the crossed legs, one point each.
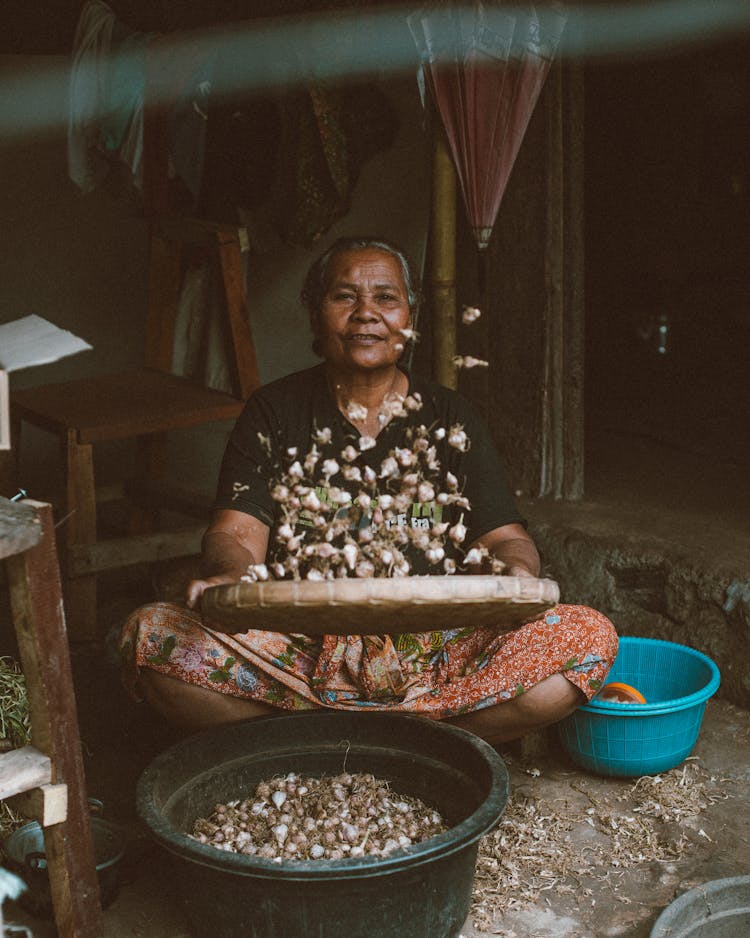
{"type": "Point", "coordinates": [196, 708]}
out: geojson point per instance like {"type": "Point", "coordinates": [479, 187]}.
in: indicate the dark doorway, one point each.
{"type": "Point", "coordinates": [667, 163]}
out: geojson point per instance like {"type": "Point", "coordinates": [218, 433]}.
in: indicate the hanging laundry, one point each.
{"type": "Point", "coordinates": [293, 154]}
{"type": "Point", "coordinates": [89, 85]}
{"type": "Point", "coordinates": [110, 67]}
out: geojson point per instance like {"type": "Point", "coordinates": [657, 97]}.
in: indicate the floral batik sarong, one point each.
{"type": "Point", "coordinates": [438, 674]}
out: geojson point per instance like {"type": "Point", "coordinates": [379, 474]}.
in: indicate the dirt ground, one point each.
{"type": "Point", "coordinates": [565, 861]}
{"type": "Point", "coordinates": [628, 846]}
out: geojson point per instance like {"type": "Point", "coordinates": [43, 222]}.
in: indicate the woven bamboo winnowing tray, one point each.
{"type": "Point", "coordinates": [379, 605]}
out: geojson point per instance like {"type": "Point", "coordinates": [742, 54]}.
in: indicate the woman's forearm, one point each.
{"type": "Point", "coordinates": [519, 556]}
{"type": "Point", "coordinates": [232, 542]}
{"type": "Point", "coordinates": [224, 555]}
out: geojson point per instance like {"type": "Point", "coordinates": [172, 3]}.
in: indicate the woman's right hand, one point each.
{"type": "Point", "coordinates": [232, 542]}
{"type": "Point", "coordinates": [196, 588]}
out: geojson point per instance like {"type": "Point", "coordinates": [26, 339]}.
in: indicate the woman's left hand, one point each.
{"type": "Point", "coordinates": [511, 544]}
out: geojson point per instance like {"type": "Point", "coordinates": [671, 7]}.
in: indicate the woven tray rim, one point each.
{"type": "Point", "coordinates": [365, 605]}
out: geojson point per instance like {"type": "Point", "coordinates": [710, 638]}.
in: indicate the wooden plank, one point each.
{"type": "Point", "coordinates": [9, 466]}
{"type": "Point", "coordinates": [20, 528]}
{"type": "Point", "coordinates": [38, 616]}
{"type": "Point", "coordinates": [47, 804]}
{"type": "Point", "coordinates": [150, 463]}
{"type": "Point", "coordinates": [561, 389]}
{"type": "Point", "coordinates": [143, 548]}
{"type": "Point", "coordinates": [4, 410]}
{"type": "Point", "coordinates": [80, 506]}
{"type": "Point", "coordinates": [200, 232]}
{"type": "Point", "coordinates": [553, 370]}
{"type": "Point", "coordinates": [80, 528]}
{"type": "Point", "coordinates": [244, 359]}
{"type": "Point", "coordinates": [562, 380]}
{"type": "Point", "coordinates": [121, 406]}
{"type": "Point", "coordinates": [164, 282]}
{"type": "Point", "coordinates": [23, 768]}
{"type": "Point", "coordinates": [575, 295]}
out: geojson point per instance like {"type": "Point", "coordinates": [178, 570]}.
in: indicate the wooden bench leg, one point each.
{"type": "Point", "coordinates": [36, 603]}
{"type": "Point", "coordinates": [79, 527]}
{"type": "Point", "coordinates": [9, 462]}
{"type": "Point", "coordinates": [8, 487]}
{"type": "Point", "coordinates": [151, 459]}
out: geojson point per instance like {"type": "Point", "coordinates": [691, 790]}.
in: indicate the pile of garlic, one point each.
{"type": "Point", "coordinates": [296, 817]}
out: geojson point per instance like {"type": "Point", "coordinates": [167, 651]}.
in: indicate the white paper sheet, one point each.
{"type": "Point", "coordinates": [34, 341]}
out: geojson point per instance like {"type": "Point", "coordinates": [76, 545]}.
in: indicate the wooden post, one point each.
{"type": "Point", "coordinates": [9, 468]}
{"type": "Point", "coordinates": [150, 463]}
{"type": "Point", "coordinates": [244, 362]}
{"type": "Point", "coordinates": [37, 607]}
{"type": "Point", "coordinates": [79, 527]}
{"type": "Point", "coordinates": [164, 283]}
{"type": "Point", "coordinates": [4, 410]}
{"type": "Point", "coordinates": [443, 241]}
{"type": "Point", "coordinates": [574, 212]}
{"type": "Point", "coordinates": [561, 387]}
{"type": "Point", "coordinates": [552, 395]}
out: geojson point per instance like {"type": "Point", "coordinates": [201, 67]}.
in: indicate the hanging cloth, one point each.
{"type": "Point", "coordinates": [89, 88]}
{"type": "Point", "coordinates": [328, 133]}
{"type": "Point", "coordinates": [110, 65]}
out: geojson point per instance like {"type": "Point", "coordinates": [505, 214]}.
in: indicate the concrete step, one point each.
{"type": "Point", "coordinates": [658, 573]}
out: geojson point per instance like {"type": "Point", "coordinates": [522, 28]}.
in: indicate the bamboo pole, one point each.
{"type": "Point", "coordinates": [443, 241]}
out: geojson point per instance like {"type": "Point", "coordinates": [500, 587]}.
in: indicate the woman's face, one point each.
{"type": "Point", "coordinates": [364, 309]}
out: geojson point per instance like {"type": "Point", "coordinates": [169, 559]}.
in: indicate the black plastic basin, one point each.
{"type": "Point", "coordinates": [423, 891]}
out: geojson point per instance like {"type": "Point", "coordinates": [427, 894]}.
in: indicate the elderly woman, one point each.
{"type": "Point", "coordinates": [499, 682]}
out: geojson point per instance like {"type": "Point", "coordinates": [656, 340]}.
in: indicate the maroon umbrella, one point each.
{"type": "Point", "coordinates": [485, 66]}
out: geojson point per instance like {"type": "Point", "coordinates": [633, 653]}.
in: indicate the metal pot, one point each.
{"type": "Point", "coordinates": [24, 854]}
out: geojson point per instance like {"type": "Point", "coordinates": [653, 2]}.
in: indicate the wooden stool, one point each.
{"type": "Point", "coordinates": [47, 777]}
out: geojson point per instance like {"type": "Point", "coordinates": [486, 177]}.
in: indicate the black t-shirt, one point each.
{"type": "Point", "coordinates": [286, 414]}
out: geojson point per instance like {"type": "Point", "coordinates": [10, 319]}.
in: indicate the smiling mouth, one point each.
{"type": "Point", "coordinates": [365, 338]}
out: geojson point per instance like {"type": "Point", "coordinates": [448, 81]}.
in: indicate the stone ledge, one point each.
{"type": "Point", "coordinates": [664, 579]}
